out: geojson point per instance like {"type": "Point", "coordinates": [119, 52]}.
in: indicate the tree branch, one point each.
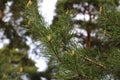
{"type": "Point", "coordinates": [94, 62]}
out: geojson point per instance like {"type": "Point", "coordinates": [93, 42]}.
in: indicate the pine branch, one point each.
{"type": "Point", "coordinates": [96, 63]}
{"type": "Point", "coordinates": [54, 51]}
{"type": "Point", "coordinates": [76, 67]}
{"type": "Point", "coordinates": [77, 71]}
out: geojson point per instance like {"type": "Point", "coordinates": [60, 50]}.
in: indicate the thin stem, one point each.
{"type": "Point", "coordinates": [76, 67]}
{"type": "Point", "coordinates": [77, 71]}
{"type": "Point", "coordinates": [96, 63]}
{"type": "Point", "coordinates": [54, 51]}
{"type": "Point", "coordinates": [88, 42]}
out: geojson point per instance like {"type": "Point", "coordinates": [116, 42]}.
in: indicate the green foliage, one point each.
{"type": "Point", "coordinates": [14, 60]}
{"type": "Point", "coordinates": [110, 21]}
{"type": "Point", "coordinates": [11, 60]}
{"type": "Point", "coordinates": [93, 62]}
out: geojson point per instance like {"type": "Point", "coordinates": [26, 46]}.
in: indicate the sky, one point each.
{"type": "Point", "coordinates": [47, 9]}
{"type": "Point", "coordinates": [6, 18]}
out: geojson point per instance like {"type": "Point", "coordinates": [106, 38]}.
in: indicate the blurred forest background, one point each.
{"type": "Point", "coordinates": [82, 43]}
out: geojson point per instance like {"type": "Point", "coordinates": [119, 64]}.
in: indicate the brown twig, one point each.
{"type": "Point", "coordinates": [94, 62]}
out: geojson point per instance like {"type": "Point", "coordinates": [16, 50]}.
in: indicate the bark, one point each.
{"type": "Point", "coordinates": [88, 39]}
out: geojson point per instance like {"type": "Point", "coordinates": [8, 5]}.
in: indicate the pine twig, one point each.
{"type": "Point", "coordinates": [54, 51]}
{"type": "Point", "coordinates": [96, 63]}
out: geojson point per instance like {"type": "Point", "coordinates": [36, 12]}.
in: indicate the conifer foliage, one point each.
{"type": "Point", "coordinates": [14, 61]}
{"type": "Point", "coordinates": [77, 56]}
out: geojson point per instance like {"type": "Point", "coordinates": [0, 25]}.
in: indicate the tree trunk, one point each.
{"type": "Point", "coordinates": [88, 39]}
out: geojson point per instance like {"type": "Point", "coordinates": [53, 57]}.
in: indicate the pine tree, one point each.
{"type": "Point", "coordinates": [98, 58]}
{"type": "Point", "coordinates": [14, 61]}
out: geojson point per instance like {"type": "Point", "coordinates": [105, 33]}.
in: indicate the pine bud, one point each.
{"type": "Point", "coordinates": [49, 37]}
{"type": "Point", "coordinates": [100, 10]}
{"type": "Point", "coordinates": [29, 3]}
{"type": "Point", "coordinates": [9, 61]}
{"type": "Point", "coordinates": [72, 53]}
{"type": "Point", "coordinates": [21, 69]}
{"type": "Point", "coordinates": [104, 32]}
{"type": "Point", "coordinates": [29, 22]}
{"type": "Point", "coordinates": [67, 12]}
{"type": "Point", "coordinates": [4, 75]}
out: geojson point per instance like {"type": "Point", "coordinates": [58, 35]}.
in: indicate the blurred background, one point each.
{"type": "Point", "coordinates": [85, 34]}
